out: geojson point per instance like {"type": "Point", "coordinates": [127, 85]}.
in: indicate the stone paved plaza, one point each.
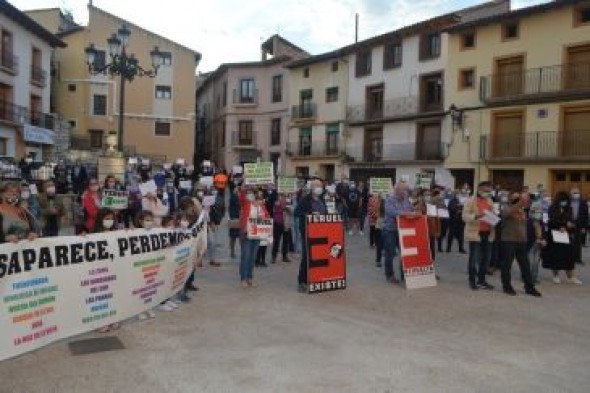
{"type": "Point", "coordinates": [372, 337]}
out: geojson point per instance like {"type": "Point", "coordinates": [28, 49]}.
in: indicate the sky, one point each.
{"type": "Point", "coordinates": [230, 30]}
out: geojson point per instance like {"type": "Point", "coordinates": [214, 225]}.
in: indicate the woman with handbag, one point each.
{"type": "Point", "coordinates": [252, 208]}
{"type": "Point", "coordinates": [234, 219]}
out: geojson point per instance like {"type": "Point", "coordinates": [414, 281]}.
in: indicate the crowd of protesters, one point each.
{"type": "Point", "coordinates": [526, 230]}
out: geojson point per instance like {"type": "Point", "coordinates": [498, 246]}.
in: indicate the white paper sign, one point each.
{"type": "Point", "coordinates": [490, 218]}
{"type": "Point", "coordinates": [145, 161]}
{"type": "Point", "coordinates": [133, 161]}
{"type": "Point", "coordinates": [443, 213]}
{"type": "Point", "coordinates": [148, 187]}
{"type": "Point", "coordinates": [560, 237]}
{"type": "Point", "coordinates": [237, 169]}
{"type": "Point", "coordinates": [331, 189]}
{"type": "Point", "coordinates": [463, 199]}
{"type": "Point", "coordinates": [431, 210]}
{"type": "Point", "coordinates": [206, 163]}
{"type": "Point", "coordinates": [496, 208]}
{"type": "Point", "coordinates": [33, 189]}
{"type": "Point", "coordinates": [545, 218]}
{"type": "Point", "coordinates": [208, 201]}
{"type": "Point", "coordinates": [186, 184]}
{"type": "Point", "coordinates": [206, 181]}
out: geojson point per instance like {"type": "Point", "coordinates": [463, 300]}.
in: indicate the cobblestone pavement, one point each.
{"type": "Point", "coordinates": [372, 337]}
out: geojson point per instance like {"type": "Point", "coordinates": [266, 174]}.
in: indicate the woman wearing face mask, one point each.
{"type": "Point", "coordinates": [560, 256]}
{"type": "Point", "coordinates": [16, 223]}
{"type": "Point", "coordinates": [52, 209]}
{"type": "Point", "coordinates": [105, 222]}
{"type": "Point", "coordinates": [234, 219]}
{"type": "Point", "coordinates": [91, 203]}
{"type": "Point", "coordinates": [30, 201]}
{"type": "Point", "coordinates": [251, 207]}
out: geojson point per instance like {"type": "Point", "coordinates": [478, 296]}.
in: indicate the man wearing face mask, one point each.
{"type": "Point", "coordinates": [51, 209]}
{"type": "Point", "coordinates": [312, 203]}
{"type": "Point", "coordinates": [479, 234]}
{"type": "Point", "coordinates": [580, 216]}
{"type": "Point", "coordinates": [514, 238]}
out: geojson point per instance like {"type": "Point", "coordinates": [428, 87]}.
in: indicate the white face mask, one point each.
{"type": "Point", "coordinates": [318, 191]}
{"type": "Point", "coordinates": [50, 190]}
{"type": "Point", "coordinates": [250, 197]}
{"type": "Point", "coordinates": [148, 224]}
{"type": "Point", "coordinates": [184, 224]}
{"type": "Point", "coordinates": [108, 224]}
{"type": "Point", "coordinates": [200, 194]}
{"type": "Point", "coordinates": [25, 195]}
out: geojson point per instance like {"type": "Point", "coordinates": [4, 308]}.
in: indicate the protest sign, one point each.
{"type": "Point", "coordinates": [186, 184]}
{"type": "Point", "coordinates": [259, 229]}
{"type": "Point", "coordinates": [287, 185]}
{"type": "Point", "coordinates": [258, 173]}
{"type": "Point", "coordinates": [116, 200]}
{"type": "Point", "coordinates": [237, 170]}
{"type": "Point", "coordinates": [206, 181]}
{"type": "Point", "coordinates": [208, 201]}
{"type": "Point", "coordinates": [149, 187]}
{"type": "Point", "coordinates": [55, 288]}
{"type": "Point", "coordinates": [380, 185]}
{"type": "Point", "coordinates": [415, 252]}
{"type": "Point", "coordinates": [326, 268]}
{"type": "Point", "coordinates": [424, 180]}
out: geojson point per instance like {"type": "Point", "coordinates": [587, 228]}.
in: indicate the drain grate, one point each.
{"type": "Point", "coordinates": [94, 345]}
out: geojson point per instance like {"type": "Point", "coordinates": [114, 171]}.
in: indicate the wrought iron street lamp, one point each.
{"type": "Point", "coordinates": [124, 65]}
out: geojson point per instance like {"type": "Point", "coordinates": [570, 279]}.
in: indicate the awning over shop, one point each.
{"type": "Point", "coordinates": [39, 135]}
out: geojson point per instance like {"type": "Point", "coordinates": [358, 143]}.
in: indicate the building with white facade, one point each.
{"type": "Point", "coordinates": [26, 127]}
{"type": "Point", "coordinates": [396, 102]}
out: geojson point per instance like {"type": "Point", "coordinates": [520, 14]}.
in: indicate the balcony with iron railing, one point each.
{"type": "Point", "coordinates": [304, 112]}
{"type": "Point", "coordinates": [38, 76]}
{"type": "Point", "coordinates": [244, 140]}
{"type": "Point", "coordinates": [534, 83]}
{"type": "Point", "coordinates": [390, 109]}
{"type": "Point", "coordinates": [8, 62]}
{"type": "Point", "coordinates": [18, 114]}
{"type": "Point", "coordinates": [305, 148]}
{"type": "Point", "coordinates": [570, 145]}
{"type": "Point", "coordinates": [399, 152]}
{"type": "Point", "coordinates": [245, 98]}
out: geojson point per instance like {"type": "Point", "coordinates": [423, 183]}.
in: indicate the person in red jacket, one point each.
{"type": "Point", "coordinates": [91, 204]}
{"type": "Point", "coordinates": [251, 207]}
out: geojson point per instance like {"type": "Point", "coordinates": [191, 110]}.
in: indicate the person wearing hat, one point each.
{"type": "Point", "coordinates": [479, 234]}
{"type": "Point", "coordinates": [513, 243]}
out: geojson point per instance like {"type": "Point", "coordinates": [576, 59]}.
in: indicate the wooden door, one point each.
{"type": "Point", "coordinates": [511, 179]}
{"type": "Point", "coordinates": [508, 135]}
{"type": "Point", "coordinates": [577, 69]}
{"type": "Point", "coordinates": [509, 78]}
{"type": "Point", "coordinates": [428, 142]}
{"type": "Point", "coordinates": [575, 140]}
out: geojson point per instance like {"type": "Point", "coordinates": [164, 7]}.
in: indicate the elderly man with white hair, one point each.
{"type": "Point", "coordinates": [580, 216]}
{"type": "Point", "coordinates": [397, 204]}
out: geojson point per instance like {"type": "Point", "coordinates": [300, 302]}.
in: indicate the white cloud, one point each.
{"type": "Point", "coordinates": [232, 30]}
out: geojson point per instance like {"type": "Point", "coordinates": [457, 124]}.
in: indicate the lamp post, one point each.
{"type": "Point", "coordinates": [124, 65]}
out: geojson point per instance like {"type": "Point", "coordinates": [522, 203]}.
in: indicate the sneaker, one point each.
{"type": "Point", "coordinates": [510, 291]}
{"type": "Point", "coordinates": [191, 287]}
{"type": "Point", "coordinates": [166, 307]}
{"type": "Point", "coordinates": [150, 314]}
{"type": "Point", "coordinates": [473, 286]}
{"type": "Point", "coordinates": [378, 265]}
{"type": "Point", "coordinates": [533, 292]}
{"type": "Point", "coordinates": [302, 288]}
{"type": "Point", "coordinates": [393, 280]}
{"type": "Point", "coordinates": [286, 260]}
{"type": "Point", "coordinates": [485, 285]}
{"type": "Point", "coordinates": [172, 304]}
{"type": "Point", "coordinates": [244, 284]}
{"type": "Point", "coordinates": [556, 280]}
{"type": "Point", "coordinates": [437, 277]}
{"type": "Point", "coordinates": [143, 316]}
{"type": "Point", "coordinates": [252, 283]}
{"type": "Point", "coordinates": [574, 280]}
{"type": "Point", "coordinates": [213, 263]}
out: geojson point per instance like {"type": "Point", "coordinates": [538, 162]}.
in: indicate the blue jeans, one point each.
{"type": "Point", "coordinates": [479, 257]}
{"type": "Point", "coordinates": [390, 241]}
{"type": "Point", "coordinates": [249, 251]}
